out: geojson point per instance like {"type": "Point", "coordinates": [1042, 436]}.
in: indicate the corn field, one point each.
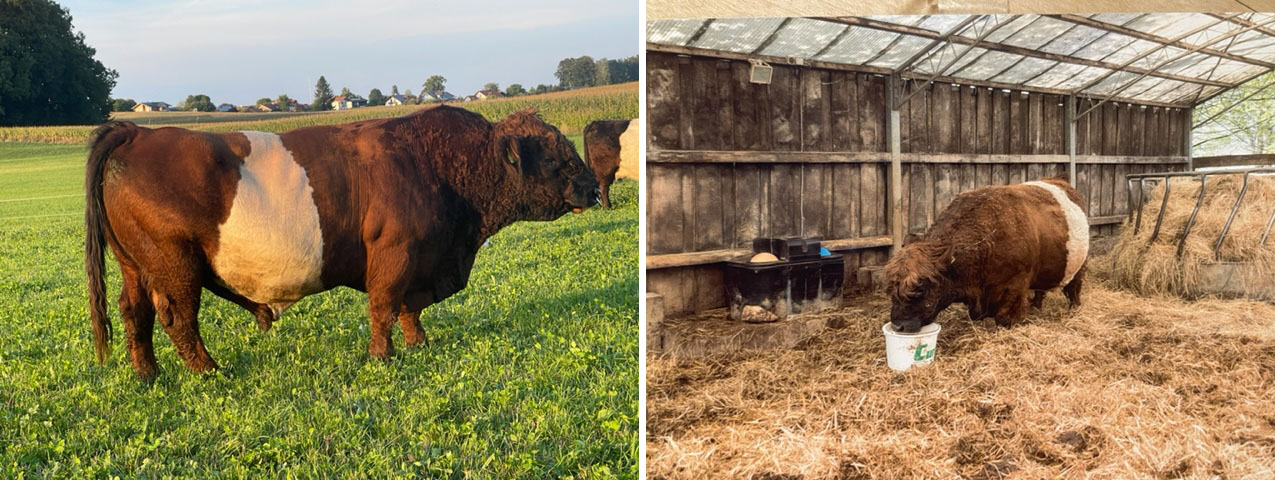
{"type": "Point", "coordinates": [570, 111]}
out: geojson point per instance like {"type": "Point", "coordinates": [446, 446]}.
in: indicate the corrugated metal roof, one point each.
{"type": "Point", "coordinates": [1177, 58]}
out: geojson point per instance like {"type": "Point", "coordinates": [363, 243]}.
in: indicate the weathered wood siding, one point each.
{"type": "Point", "coordinates": [806, 155]}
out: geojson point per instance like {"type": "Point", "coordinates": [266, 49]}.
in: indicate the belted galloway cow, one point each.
{"type": "Point", "coordinates": [394, 207]}
{"type": "Point", "coordinates": [990, 249]}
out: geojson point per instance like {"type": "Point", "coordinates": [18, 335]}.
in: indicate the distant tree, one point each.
{"type": "Point", "coordinates": [322, 95]}
{"type": "Point", "coordinates": [408, 93]}
{"type": "Point", "coordinates": [232, 107]}
{"type": "Point", "coordinates": [197, 103]}
{"type": "Point", "coordinates": [1246, 128]}
{"type": "Point", "coordinates": [576, 72]}
{"type": "Point", "coordinates": [394, 90]}
{"type": "Point", "coordinates": [122, 105]}
{"type": "Point", "coordinates": [264, 101]}
{"type": "Point", "coordinates": [345, 92]}
{"type": "Point", "coordinates": [375, 97]}
{"type": "Point", "coordinates": [434, 84]}
{"type": "Point", "coordinates": [285, 102]}
{"type": "Point", "coordinates": [609, 72]}
{"type": "Point", "coordinates": [48, 75]}
{"type": "Point", "coordinates": [492, 86]}
{"type": "Point", "coordinates": [515, 89]}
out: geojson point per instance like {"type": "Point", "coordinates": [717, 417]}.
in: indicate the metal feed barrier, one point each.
{"type": "Point", "coordinates": [1167, 177]}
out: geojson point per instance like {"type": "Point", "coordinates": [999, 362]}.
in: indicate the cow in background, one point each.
{"type": "Point", "coordinates": [610, 146]}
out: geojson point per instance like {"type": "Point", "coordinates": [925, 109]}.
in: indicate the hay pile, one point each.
{"type": "Point", "coordinates": [1123, 387]}
{"type": "Point", "coordinates": [1148, 268]}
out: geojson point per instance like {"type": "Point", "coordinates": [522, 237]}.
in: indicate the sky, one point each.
{"type": "Point", "coordinates": [236, 51]}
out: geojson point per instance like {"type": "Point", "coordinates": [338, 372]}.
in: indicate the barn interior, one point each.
{"type": "Point", "coordinates": [858, 124]}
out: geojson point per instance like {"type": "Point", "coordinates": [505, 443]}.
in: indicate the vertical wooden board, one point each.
{"type": "Point", "coordinates": [813, 216]}
{"type": "Point", "coordinates": [946, 185]}
{"type": "Point", "coordinates": [814, 112]}
{"type": "Point", "coordinates": [710, 289]}
{"type": "Point", "coordinates": [1123, 116]}
{"type": "Point", "coordinates": [662, 101]}
{"type": "Point", "coordinates": [967, 173]}
{"type": "Point", "coordinates": [984, 178]}
{"type": "Point", "coordinates": [1000, 122]}
{"type": "Point", "coordinates": [967, 136]}
{"type": "Point", "coordinates": [764, 174]}
{"type": "Point", "coordinates": [1154, 136]}
{"type": "Point", "coordinates": [785, 200]}
{"type": "Point", "coordinates": [921, 213]}
{"type": "Point", "coordinates": [983, 138]}
{"type": "Point", "coordinates": [686, 80]}
{"type": "Point", "coordinates": [872, 195]}
{"type": "Point", "coordinates": [1035, 171]}
{"type": "Point", "coordinates": [664, 209]}
{"type": "Point", "coordinates": [701, 92]}
{"type": "Point", "coordinates": [872, 112]}
{"type": "Point", "coordinates": [689, 230]}
{"type": "Point", "coordinates": [784, 124]}
{"type": "Point", "coordinates": [1000, 174]}
{"type": "Point", "coordinates": [1035, 123]}
{"type": "Point", "coordinates": [1095, 190]}
{"type": "Point", "coordinates": [841, 93]}
{"type": "Point", "coordinates": [744, 110]}
{"type": "Point", "coordinates": [707, 208]}
{"type": "Point", "coordinates": [919, 120]}
{"type": "Point", "coordinates": [1096, 126]}
{"type": "Point", "coordinates": [1082, 132]}
{"type": "Point", "coordinates": [1052, 118]}
{"type": "Point", "coordinates": [845, 202]}
{"type": "Point", "coordinates": [1111, 129]}
{"type": "Point", "coordinates": [905, 205]}
{"type": "Point", "coordinates": [747, 199]}
{"type": "Point", "coordinates": [1019, 140]}
{"type": "Point", "coordinates": [1178, 142]}
{"type": "Point", "coordinates": [1017, 173]}
{"type": "Point", "coordinates": [724, 101]}
{"type": "Point", "coordinates": [942, 121]}
{"type": "Point", "coordinates": [1109, 189]}
{"type": "Point", "coordinates": [1120, 191]}
{"type": "Point", "coordinates": [1137, 126]}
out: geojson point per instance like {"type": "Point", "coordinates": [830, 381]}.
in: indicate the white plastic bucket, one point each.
{"type": "Point", "coordinates": [906, 350]}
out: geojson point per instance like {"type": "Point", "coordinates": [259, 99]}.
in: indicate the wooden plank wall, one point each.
{"type": "Point", "coordinates": [703, 110]}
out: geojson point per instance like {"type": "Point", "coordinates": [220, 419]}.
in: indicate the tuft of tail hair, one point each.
{"type": "Point", "coordinates": [104, 140]}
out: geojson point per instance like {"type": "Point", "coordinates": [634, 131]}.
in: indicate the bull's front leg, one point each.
{"type": "Point", "coordinates": [387, 280]}
{"type": "Point", "coordinates": [410, 321]}
{"type": "Point", "coordinates": [1014, 304]}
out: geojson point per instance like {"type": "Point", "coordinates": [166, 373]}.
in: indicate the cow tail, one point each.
{"type": "Point", "coordinates": [96, 226]}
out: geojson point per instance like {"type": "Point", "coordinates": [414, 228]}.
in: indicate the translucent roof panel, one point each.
{"type": "Point", "coordinates": [672, 32]}
{"type": "Point", "coordinates": [803, 37]}
{"type": "Point", "coordinates": [1131, 56]}
{"type": "Point", "coordinates": [736, 34]}
{"type": "Point", "coordinates": [859, 45]}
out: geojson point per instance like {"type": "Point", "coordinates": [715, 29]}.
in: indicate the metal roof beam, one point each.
{"type": "Point", "coordinates": [1127, 66]}
{"type": "Point", "coordinates": [1166, 62]}
{"type": "Point", "coordinates": [1245, 23]}
{"type": "Point", "coordinates": [771, 38]}
{"type": "Point", "coordinates": [700, 32]}
{"type": "Point", "coordinates": [1111, 27]}
{"type": "Point", "coordinates": [938, 41]}
{"type": "Point", "coordinates": [930, 34]}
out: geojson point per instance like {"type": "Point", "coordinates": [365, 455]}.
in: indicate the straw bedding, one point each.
{"type": "Point", "coordinates": [1122, 387]}
{"type": "Point", "coordinates": [1154, 268]}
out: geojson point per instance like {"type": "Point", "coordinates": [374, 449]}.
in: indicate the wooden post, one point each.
{"type": "Point", "coordinates": [1069, 135]}
{"type": "Point", "coordinates": [896, 166]}
{"type": "Point", "coordinates": [1189, 124]}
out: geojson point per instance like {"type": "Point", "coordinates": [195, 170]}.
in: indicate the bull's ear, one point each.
{"type": "Point", "coordinates": [523, 153]}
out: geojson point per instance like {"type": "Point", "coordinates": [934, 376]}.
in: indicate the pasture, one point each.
{"type": "Point", "coordinates": [530, 372]}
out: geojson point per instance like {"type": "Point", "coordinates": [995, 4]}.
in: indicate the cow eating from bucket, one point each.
{"type": "Point", "coordinates": [990, 249]}
{"type": "Point", "coordinates": [394, 207]}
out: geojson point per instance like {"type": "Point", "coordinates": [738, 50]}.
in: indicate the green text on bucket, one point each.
{"type": "Point", "coordinates": [920, 354]}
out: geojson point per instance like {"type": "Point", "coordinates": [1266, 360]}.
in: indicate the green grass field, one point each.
{"type": "Point", "coordinates": [531, 372]}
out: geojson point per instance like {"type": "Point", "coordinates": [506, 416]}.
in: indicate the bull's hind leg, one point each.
{"type": "Point", "coordinates": [604, 193]}
{"type": "Point", "coordinates": [1072, 290]}
{"type": "Point", "coordinates": [178, 308]}
{"type": "Point", "coordinates": [139, 323]}
{"type": "Point", "coordinates": [410, 321]}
